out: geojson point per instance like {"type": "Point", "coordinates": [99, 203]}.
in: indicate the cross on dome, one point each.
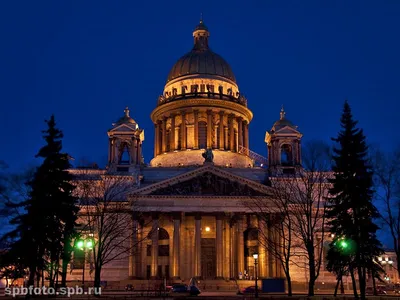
{"type": "Point", "coordinates": [283, 113]}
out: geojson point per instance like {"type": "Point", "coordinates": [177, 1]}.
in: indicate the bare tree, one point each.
{"type": "Point", "coordinates": [309, 189]}
{"type": "Point", "coordinates": [106, 215]}
{"type": "Point", "coordinates": [275, 228]}
{"type": "Point", "coordinates": [386, 167]}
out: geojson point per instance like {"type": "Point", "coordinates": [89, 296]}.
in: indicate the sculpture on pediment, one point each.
{"type": "Point", "coordinates": [208, 155]}
{"type": "Point", "coordinates": [208, 184]}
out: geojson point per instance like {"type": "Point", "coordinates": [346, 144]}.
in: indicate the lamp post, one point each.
{"type": "Point", "coordinates": [84, 245]}
{"type": "Point", "coordinates": [255, 256]}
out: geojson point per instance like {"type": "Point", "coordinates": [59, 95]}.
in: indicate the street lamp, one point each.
{"type": "Point", "coordinates": [84, 245]}
{"type": "Point", "coordinates": [255, 256]}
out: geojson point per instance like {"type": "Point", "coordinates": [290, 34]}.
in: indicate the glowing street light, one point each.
{"type": "Point", "coordinates": [255, 256]}
{"type": "Point", "coordinates": [84, 244]}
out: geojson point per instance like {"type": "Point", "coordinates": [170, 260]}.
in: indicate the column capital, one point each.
{"type": "Point", "coordinates": [177, 216]}
{"type": "Point", "coordinates": [221, 112]}
{"type": "Point", "coordinates": [239, 119]}
{"type": "Point", "coordinates": [183, 112]}
{"type": "Point", "coordinates": [245, 122]}
{"type": "Point", "coordinates": [209, 111]}
{"type": "Point", "coordinates": [155, 215]}
{"type": "Point", "coordinates": [197, 216]}
{"type": "Point", "coordinates": [231, 116]}
{"type": "Point", "coordinates": [220, 216]}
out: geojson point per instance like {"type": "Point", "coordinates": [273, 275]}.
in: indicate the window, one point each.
{"type": "Point", "coordinates": [148, 250]}
{"type": "Point", "coordinates": [124, 158]}
{"type": "Point", "coordinates": [163, 234]}
{"type": "Point", "coordinates": [163, 250]}
{"type": "Point", "coordinates": [286, 155]}
{"type": "Point", "coordinates": [202, 135]}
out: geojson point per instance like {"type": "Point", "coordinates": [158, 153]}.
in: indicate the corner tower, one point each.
{"type": "Point", "coordinates": [125, 145]}
{"type": "Point", "coordinates": [201, 108]}
{"type": "Point", "coordinates": [284, 146]}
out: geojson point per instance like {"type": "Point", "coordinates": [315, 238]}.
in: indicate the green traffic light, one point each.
{"type": "Point", "coordinates": [343, 244]}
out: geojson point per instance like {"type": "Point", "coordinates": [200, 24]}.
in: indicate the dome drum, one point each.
{"type": "Point", "coordinates": [240, 99]}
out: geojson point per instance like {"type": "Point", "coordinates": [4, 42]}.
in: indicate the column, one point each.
{"type": "Point", "coordinates": [262, 253]}
{"type": "Point", "coordinates": [221, 131]}
{"type": "Point", "coordinates": [156, 139]}
{"type": "Point", "coordinates": [231, 134]}
{"type": "Point", "coordinates": [154, 246]}
{"type": "Point", "coordinates": [133, 151]}
{"type": "Point", "coordinates": [164, 136]}
{"type": "Point", "coordinates": [139, 151]}
{"type": "Point", "coordinates": [139, 245]}
{"type": "Point", "coordinates": [132, 271]}
{"type": "Point", "coordinates": [197, 246]}
{"type": "Point", "coordinates": [240, 246]}
{"type": "Point", "coordinates": [172, 134]}
{"type": "Point", "coordinates": [226, 138]}
{"type": "Point", "coordinates": [176, 247]}
{"type": "Point", "coordinates": [183, 131]}
{"type": "Point", "coordinates": [209, 129]}
{"type": "Point", "coordinates": [246, 134]}
{"type": "Point", "coordinates": [143, 250]}
{"type": "Point", "coordinates": [233, 252]}
{"type": "Point", "coordinates": [196, 129]}
{"type": "Point", "coordinates": [219, 247]}
{"type": "Point", "coordinates": [240, 132]}
{"type": "Point", "coordinates": [272, 253]}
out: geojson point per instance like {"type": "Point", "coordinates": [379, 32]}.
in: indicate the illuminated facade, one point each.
{"type": "Point", "coordinates": [196, 222]}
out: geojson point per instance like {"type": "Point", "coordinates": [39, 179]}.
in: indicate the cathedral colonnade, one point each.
{"type": "Point", "coordinates": [206, 246]}
{"type": "Point", "coordinates": [200, 129]}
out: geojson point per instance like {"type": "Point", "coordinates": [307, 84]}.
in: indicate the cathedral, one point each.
{"type": "Point", "coordinates": [191, 196]}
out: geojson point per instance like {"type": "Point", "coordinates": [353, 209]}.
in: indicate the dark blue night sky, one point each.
{"type": "Point", "coordinates": [85, 61]}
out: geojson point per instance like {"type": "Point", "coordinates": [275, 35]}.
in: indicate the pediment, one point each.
{"type": "Point", "coordinates": [287, 130]}
{"type": "Point", "coordinates": [124, 128]}
{"type": "Point", "coordinates": [207, 181]}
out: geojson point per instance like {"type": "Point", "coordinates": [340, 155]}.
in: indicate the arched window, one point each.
{"type": "Point", "coordinates": [202, 135]}
{"type": "Point", "coordinates": [286, 155]}
{"type": "Point", "coordinates": [124, 157]}
{"type": "Point", "coordinates": [162, 234]}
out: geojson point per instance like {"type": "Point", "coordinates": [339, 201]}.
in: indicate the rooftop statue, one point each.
{"type": "Point", "coordinates": [208, 155]}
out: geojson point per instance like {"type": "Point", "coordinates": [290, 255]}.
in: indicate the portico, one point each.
{"type": "Point", "coordinates": [204, 234]}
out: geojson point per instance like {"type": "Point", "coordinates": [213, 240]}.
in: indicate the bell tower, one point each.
{"type": "Point", "coordinates": [284, 146]}
{"type": "Point", "coordinates": [125, 145]}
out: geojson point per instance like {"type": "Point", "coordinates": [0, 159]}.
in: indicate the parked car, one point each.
{"type": "Point", "coordinates": [379, 290]}
{"type": "Point", "coordinates": [129, 288]}
{"type": "Point", "coordinates": [179, 288]}
{"type": "Point", "coordinates": [248, 290]}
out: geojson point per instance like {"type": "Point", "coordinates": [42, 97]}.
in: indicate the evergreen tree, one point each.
{"type": "Point", "coordinates": [44, 232]}
{"type": "Point", "coordinates": [351, 211]}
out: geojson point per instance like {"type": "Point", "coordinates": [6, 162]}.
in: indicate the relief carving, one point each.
{"type": "Point", "coordinates": [208, 184]}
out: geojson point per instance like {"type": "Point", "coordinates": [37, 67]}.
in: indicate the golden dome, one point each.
{"type": "Point", "coordinates": [201, 59]}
